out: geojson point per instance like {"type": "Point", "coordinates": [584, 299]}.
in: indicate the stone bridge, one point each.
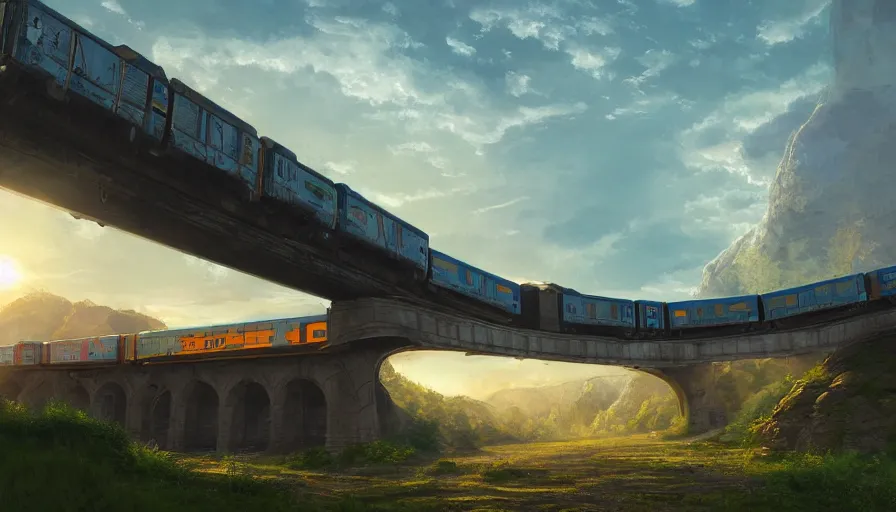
{"type": "Point", "coordinates": [334, 398]}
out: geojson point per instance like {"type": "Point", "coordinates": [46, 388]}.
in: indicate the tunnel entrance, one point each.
{"type": "Point", "coordinates": [201, 419]}
{"type": "Point", "coordinates": [305, 416]}
{"type": "Point", "coordinates": [251, 425]}
{"type": "Point", "coordinates": [111, 403]}
{"type": "Point", "coordinates": [9, 390]}
{"type": "Point", "coordinates": [159, 419]}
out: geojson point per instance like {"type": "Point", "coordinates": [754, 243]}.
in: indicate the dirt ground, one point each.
{"type": "Point", "coordinates": [625, 474]}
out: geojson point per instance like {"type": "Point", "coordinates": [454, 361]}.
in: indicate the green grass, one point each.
{"type": "Point", "coordinates": [60, 460]}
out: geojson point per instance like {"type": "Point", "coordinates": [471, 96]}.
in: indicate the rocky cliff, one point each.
{"type": "Point", "coordinates": [43, 317]}
{"type": "Point", "coordinates": [847, 403]}
{"type": "Point", "coordinates": [830, 208]}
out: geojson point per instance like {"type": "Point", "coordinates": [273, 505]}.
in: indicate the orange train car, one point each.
{"type": "Point", "coordinates": [216, 340]}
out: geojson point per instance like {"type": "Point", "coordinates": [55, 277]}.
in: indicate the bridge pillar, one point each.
{"type": "Point", "coordinates": [698, 400]}
{"type": "Point", "coordinates": [357, 409]}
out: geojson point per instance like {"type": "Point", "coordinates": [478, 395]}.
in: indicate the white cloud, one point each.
{"type": "Point", "coordinates": [362, 57]}
{"type": "Point", "coordinates": [341, 168]}
{"type": "Point", "coordinates": [592, 62]}
{"type": "Point", "coordinates": [517, 83]}
{"type": "Point", "coordinates": [740, 115]}
{"type": "Point", "coordinates": [501, 206]}
{"type": "Point", "coordinates": [679, 3]}
{"type": "Point", "coordinates": [774, 32]}
{"type": "Point", "coordinates": [114, 6]}
{"type": "Point", "coordinates": [655, 61]}
{"type": "Point", "coordinates": [390, 9]}
{"type": "Point", "coordinates": [459, 47]}
{"type": "Point", "coordinates": [554, 30]}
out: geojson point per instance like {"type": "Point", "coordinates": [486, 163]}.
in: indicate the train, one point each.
{"type": "Point", "coordinates": [217, 341]}
{"type": "Point", "coordinates": [167, 118]}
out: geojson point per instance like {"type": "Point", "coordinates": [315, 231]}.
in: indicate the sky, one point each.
{"type": "Point", "coordinates": [611, 146]}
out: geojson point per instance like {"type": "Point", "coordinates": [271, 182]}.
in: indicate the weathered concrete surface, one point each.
{"type": "Point", "coordinates": [278, 404]}
{"type": "Point", "coordinates": [698, 401]}
{"type": "Point", "coordinates": [352, 321]}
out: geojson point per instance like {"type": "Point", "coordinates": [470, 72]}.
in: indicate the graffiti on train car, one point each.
{"type": "Point", "coordinates": [7, 357]}
{"type": "Point", "coordinates": [46, 44]}
{"type": "Point", "coordinates": [369, 223]}
{"type": "Point", "coordinates": [256, 335]}
{"type": "Point", "coordinates": [27, 353]}
{"type": "Point", "coordinates": [103, 348]}
{"type": "Point", "coordinates": [287, 181]}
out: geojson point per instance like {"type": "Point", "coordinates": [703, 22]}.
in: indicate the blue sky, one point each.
{"type": "Point", "coordinates": [613, 146]}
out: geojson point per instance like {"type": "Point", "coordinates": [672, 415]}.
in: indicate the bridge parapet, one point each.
{"type": "Point", "coordinates": [371, 318]}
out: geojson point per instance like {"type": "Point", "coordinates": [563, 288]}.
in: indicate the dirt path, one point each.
{"type": "Point", "coordinates": [626, 474]}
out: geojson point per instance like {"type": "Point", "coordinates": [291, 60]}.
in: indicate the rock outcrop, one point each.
{"type": "Point", "coordinates": [847, 403]}
{"type": "Point", "coordinates": [43, 317]}
{"type": "Point", "coordinates": [830, 208]}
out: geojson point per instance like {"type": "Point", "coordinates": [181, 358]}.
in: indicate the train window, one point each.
{"type": "Point", "coordinates": [469, 277]}
{"type": "Point", "coordinates": [720, 310]}
{"type": "Point", "coordinates": [591, 310]}
{"type": "Point", "coordinates": [280, 168]}
{"type": "Point", "coordinates": [791, 300]}
{"type": "Point", "coordinates": [320, 333]}
{"type": "Point", "coordinates": [614, 311]}
{"type": "Point", "coordinates": [823, 289]}
{"type": "Point", "coordinates": [699, 312]}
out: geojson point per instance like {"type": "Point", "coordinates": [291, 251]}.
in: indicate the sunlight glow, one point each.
{"type": "Point", "coordinates": [10, 275]}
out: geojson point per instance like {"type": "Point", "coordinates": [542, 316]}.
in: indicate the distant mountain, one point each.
{"type": "Point", "coordinates": [539, 401]}
{"type": "Point", "coordinates": [43, 316]}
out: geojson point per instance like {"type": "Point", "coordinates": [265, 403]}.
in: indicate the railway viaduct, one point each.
{"type": "Point", "coordinates": [334, 398]}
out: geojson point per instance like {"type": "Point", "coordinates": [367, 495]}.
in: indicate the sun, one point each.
{"type": "Point", "coordinates": [10, 275]}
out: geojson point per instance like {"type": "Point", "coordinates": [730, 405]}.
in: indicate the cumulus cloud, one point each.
{"type": "Point", "coordinates": [784, 30]}
{"type": "Point", "coordinates": [459, 47]}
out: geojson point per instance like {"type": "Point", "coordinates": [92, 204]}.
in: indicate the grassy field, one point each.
{"type": "Point", "coordinates": [638, 473]}
{"type": "Point", "coordinates": [62, 460]}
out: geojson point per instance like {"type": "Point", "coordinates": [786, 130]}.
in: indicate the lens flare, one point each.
{"type": "Point", "coordinates": [10, 275]}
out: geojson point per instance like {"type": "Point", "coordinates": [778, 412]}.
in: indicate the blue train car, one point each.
{"type": "Point", "coordinates": [207, 132]}
{"type": "Point", "coordinates": [881, 283]}
{"type": "Point", "coordinates": [596, 311]}
{"type": "Point", "coordinates": [650, 315]}
{"type": "Point", "coordinates": [453, 274]}
{"type": "Point", "coordinates": [692, 314]}
{"type": "Point", "coordinates": [373, 225]}
{"type": "Point", "coordinates": [124, 82]}
{"type": "Point", "coordinates": [829, 294]}
{"type": "Point", "coordinates": [285, 179]}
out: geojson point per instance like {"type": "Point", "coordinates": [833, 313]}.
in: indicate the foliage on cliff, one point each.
{"type": "Point", "coordinates": [751, 268]}
{"type": "Point", "coordinates": [847, 403]}
{"type": "Point", "coordinates": [43, 316]}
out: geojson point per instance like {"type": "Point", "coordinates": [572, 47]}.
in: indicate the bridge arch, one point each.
{"type": "Point", "coordinates": [110, 403]}
{"type": "Point", "coordinates": [155, 415]}
{"type": "Point", "coordinates": [250, 425]}
{"type": "Point", "coordinates": [201, 406]}
{"type": "Point", "coordinates": [304, 416]}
